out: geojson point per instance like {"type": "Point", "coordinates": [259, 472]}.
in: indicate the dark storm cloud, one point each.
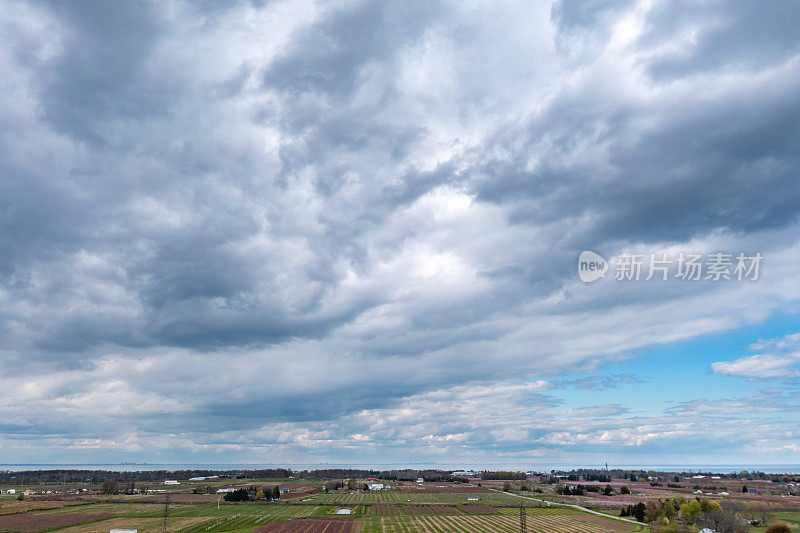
{"type": "Point", "coordinates": [585, 27]}
{"type": "Point", "coordinates": [740, 35]}
{"type": "Point", "coordinates": [37, 217]}
{"type": "Point", "coordinates": [318, 78]}
{"type": "Point", "coordinates": [727, 165]}
{"type": "Point", "coordinates": [681, 179]}
{"type": "Point", "coordinates": [573, 14]}
{"type": "Point", "coordinates": [100, 76]}
{"type": "Point", "coordinates": [327, 58]}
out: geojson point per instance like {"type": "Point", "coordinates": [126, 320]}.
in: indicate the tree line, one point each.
{"type": "Point", "coordinates": [51, 477]}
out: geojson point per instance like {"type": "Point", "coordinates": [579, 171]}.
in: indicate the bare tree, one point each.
{"type": "Point", "coordinates": [761, 511]}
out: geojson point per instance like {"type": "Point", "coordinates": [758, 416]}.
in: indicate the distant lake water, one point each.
{"type": "Point", "coordinates": [540, 467]}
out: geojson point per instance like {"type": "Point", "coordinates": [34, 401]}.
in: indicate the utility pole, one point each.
{"type": "Point", "coordinates": [166, 511]}
{"type": "Point", "coordinates": [523, 526]}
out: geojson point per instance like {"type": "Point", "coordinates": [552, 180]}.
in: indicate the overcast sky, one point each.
{"type": "Point", "coordinates": [349, 231]}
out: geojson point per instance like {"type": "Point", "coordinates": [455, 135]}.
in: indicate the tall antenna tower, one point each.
{"type": "Point", "coordinates": [523, 526]}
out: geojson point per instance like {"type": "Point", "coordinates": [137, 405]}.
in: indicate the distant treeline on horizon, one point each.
{"type": "Point", "coordinates": [99, 476]}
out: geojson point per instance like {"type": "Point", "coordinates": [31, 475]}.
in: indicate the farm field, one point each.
{"type": "Point", "coordinates": [26, 522]}
{"type": "Point", "coordinates": [388, 509]}
{"type": "Point", "coordinates": [492, 498]}
{"type": "Point", "coordinates": [13, 506]}
{"type": "Point", "coordinates": [312, 526]}
{"type": "Point", "coordinates": [100, 517]}
{"type": "Point", "coordinates": [142, 525]}
{"type": "Point", "coordinates": [505, 523]}
{"type": "Point", "coordinates": [429, 507]}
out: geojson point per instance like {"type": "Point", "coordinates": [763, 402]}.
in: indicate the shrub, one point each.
{"type": "Point", "coordinates": [779, 528]}
{"type": "Point", "coordinates": [109, 487]}
{"type": "Point", "coordinates": [239, 495]}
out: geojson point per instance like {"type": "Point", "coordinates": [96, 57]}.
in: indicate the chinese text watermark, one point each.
{"type": "Point", "coordinates": [663, 266]}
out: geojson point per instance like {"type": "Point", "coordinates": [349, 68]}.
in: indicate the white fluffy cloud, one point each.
{"type": "Point", "coordinates": [780, 358]}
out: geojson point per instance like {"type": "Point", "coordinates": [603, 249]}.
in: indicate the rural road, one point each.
{"type": "Point", "coordinates": [598, 513]}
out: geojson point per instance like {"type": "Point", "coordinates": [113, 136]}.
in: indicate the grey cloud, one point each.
{"type": "Point", "coordinates": [326, 59]}
{"type": "Point", "coordinates": [387, 197]}
{"type": "Point", "coordinates": [728, 165]}
{"type": "Point", "coordinates": [99, 77]}
{"type": "Point", "coordinates": [745, 36]}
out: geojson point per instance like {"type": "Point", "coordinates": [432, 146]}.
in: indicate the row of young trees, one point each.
{"type": "Point", "coordinates": [639, 475]}
{"type": "Point", "coordinates": [500, 475]}
{"type": "Point", "coordinates": [580, 490]}
{"type": "Point", "coordinates": [433, 476]}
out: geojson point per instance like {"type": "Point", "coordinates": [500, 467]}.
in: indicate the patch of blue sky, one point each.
{"type": "Point", "coordinates": [679, 372]}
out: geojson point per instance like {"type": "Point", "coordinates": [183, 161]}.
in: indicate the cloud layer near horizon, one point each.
{"type": "Point", "coordinates": [318, 230]}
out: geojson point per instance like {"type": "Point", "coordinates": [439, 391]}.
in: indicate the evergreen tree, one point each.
{"type": "Point", "coordinates": [638, 511]}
